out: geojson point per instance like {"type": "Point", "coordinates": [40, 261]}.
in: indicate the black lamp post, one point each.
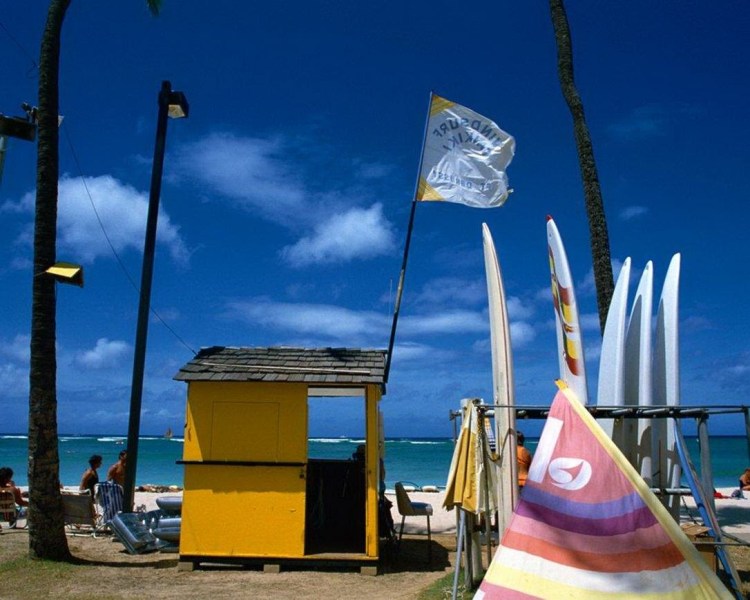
{"type": "Point", "coordinates": [175, 105]}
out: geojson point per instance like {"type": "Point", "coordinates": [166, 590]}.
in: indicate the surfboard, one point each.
{"type": "Point", "coordinates": [637, 445]}
{"type": "Point", "coordinates": [666, 383]}
{"type": "Point", "coordinates": [503, 394]}
{"type": "Point", "coordinates": [569, 338]}
{"type": "Point", "coordinates": [611, 389]}
{"type": "Point", "coordinates": [705, 510]}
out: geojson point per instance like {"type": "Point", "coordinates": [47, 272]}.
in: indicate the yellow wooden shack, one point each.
{"type": "Point", "coordinates": [251, 493]}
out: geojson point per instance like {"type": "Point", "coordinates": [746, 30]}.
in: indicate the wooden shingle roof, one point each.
{"type": "Point", "coordinates": [321, 366]}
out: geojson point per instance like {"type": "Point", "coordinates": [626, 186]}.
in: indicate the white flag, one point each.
{"type": "Point", "coordinates": [465, 157]}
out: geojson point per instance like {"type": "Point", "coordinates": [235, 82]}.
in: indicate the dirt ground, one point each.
{"type": "Point", "coordinates": [107, 571]}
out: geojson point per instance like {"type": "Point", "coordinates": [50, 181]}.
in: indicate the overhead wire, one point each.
{"type": "Point", "coordinates": [35, 67]}
{"type": "Point", "coordinates": [20, 46]}
{"type": "Point", "coordinates": [111, 245]}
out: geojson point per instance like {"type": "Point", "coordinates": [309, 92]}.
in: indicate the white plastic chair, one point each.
{"type": "Point", "coordinates": [407, 508]}
{"type": "Point", "coordinates": [8, 511]}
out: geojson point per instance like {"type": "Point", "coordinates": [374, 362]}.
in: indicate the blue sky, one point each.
{"type": "Point", "coordinates": [287, 192]}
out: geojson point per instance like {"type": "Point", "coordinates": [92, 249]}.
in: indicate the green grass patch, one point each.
{"type": "Point", "coordinates": [442, 589]}
{"type": "Point", "coordinates": [46, 574]}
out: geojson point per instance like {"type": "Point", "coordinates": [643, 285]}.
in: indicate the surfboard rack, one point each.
{"type": "Point", "coordinates": [628, 412]}
{"type": "Point", "coordinates": [700, 413]}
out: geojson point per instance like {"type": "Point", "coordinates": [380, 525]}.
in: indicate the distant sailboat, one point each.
{"type": "Point", "coordinates": [168, 433]}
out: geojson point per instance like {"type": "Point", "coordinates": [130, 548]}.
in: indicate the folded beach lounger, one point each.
{"type": "Point", "coordinates": [130, 529]}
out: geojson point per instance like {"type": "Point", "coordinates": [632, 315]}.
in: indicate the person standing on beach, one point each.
{"type": "Point", "coordinates": [90, 476]}
{"type": "Point", "coordinates": [524, 460]}
{"type": "Point", "coordinates": [116, 472]}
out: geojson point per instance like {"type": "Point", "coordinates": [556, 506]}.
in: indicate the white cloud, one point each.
{"type": "Point", "coordinates": [410, 351]}
{"type": "Point", "coordinates": [265, 177]}
{"type": "Point", "coordinates": [18, 349]}
{"type": "Point", "coordinates": [14, 379]}
{"type": "Point", "coordinates": [632, 212]}
{"type": "Point", "coordinates": [373, 170]}
{"type": "Point", "coordinates": [355, 234]}
{"type": "Point", "coordinates": [589, 322]}
{"type": "Point", "coordinates": [327, 321]}
{"type": "Point", "coordinates": [14, 374]}
{"type": "Point", "coordinates": [254, 173]}
{"type": "Point", "coordinates": [642, 123]}
{"type": "Point", "coordinates": [320, 319]}
{"type": "Point", "coordinates": [518, 309]}
{"type": "Point", "coordinates": [521, 333]}
{"type": "Point", "coordinates": [106, 354]}
{"type": "Point", "coordinates": [451, 291]}
{"type": "Point", "coordinates": [122, 210]}
{"type": "Point", "coordinates": [451, 321]}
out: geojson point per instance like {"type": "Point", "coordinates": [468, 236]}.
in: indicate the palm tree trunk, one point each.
{"type": "Point", "coordinates": [592, 193]}
{"type": "Point", "coordinates": [46, 526]}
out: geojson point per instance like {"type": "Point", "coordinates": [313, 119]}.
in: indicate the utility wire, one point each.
{"type": "Point", "coordinates": [111, 245]}
{"type": "Point", "coordinates": [35, 67]}
{"type": "Point", "coordinates": [20, 46]}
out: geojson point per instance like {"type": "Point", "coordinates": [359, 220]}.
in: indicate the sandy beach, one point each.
{"type": "Point", "coordinates": [733, 514]}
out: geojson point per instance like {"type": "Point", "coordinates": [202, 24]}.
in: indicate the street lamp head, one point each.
{"type": "Point", "coordinates": [64, 272]}
{"type": "Point", "coordinates": [177, 105]}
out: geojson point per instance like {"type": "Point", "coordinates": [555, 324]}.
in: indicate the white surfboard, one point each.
{"type": "Point", "coordinates": [502, 385]}
{"type": "Point", "coordinates": [569, 337]}
{"type": "Point", "coordinates": [638, 370]}
{"type": "Point", "coordinates": [611, 385]}
{"type": "Point", "coordinates": [666, 383]}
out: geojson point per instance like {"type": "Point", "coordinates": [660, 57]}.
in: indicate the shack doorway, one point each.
{"type": "Point", "coordinates": [336, 474]}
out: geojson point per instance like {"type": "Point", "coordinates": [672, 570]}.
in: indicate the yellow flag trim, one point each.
{"type": "Point", "coordinates": [426, 191]}
{"type": "Point", "coordinates": [439, 105]}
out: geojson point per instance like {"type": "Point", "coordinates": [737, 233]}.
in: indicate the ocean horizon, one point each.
{"type": "Point", "coordinates": [417, 460]}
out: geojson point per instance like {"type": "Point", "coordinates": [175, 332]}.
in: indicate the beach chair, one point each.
{"type": "Point", "coordinates": [8, 510]}
{"type": "Point", "coordinates": [109, 495]}
{"type": "Point", "coordinates": [407, 508]}
{"type": "Point", "coordinates": [79, 513]}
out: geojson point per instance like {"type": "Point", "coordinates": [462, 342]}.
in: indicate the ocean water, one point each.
{"type": "Point", "coordinates": [421, 461]}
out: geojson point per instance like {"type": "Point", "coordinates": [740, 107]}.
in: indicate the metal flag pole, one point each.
{"type": "Point", "coordinates": [400, 290]}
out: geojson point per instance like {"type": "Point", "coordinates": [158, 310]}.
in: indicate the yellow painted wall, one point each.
{"type": "Point", "coordinates": [256, 511]}
{"type": "Point", "coordinates": [244, 510]}
{"type": "Point", "coordinates": [373, 466]}
{"type": "Point", "coordinates": [246, 421]}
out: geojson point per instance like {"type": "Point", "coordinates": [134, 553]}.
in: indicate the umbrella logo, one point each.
{"type": "Point", "coordinates": [562, 470]}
